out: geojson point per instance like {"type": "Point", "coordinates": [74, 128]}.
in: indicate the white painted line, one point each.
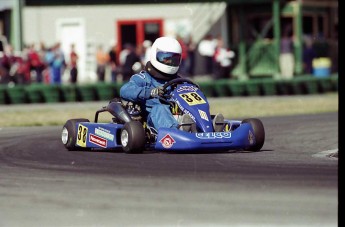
{"type": "Point", "coordinates": [327, 154]}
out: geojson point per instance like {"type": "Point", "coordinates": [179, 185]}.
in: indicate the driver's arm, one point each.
{"type": "Point", "coordinates": [136, 89]}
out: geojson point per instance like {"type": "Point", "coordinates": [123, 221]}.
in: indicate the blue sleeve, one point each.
{"type": "Point", "coordinates": [136, 89]}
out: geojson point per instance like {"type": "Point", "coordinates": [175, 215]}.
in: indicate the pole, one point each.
{"type": "Point", "coordinates": [276, 33]}
{"type": "Point", "coordinates": [298, 37]}
{"type": "Point", "coordinates": [16, 25]}
{"type": "Point", "coordinates": [242, 48]}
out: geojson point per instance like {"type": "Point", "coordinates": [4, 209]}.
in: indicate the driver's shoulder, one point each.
{"type": "Point", "coordinates": [142, 77]}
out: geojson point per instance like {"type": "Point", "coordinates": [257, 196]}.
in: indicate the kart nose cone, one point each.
{"type": "Point", "coordinates": [64, 135]}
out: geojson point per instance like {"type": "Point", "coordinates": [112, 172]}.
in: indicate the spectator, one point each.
{"type": "Point", "coordinates": [147, 45]}
{"type": "Point", "coordinates": [140, 51]}
{"type": "Point", "coordinates": [308, 55]}
{"type": "Point", "coordinates": [113, 63]}
{"type": "Point", "coordinates": [45, 71]}
{"type": "Point", "coordinates": [101, 60]}
{"type": "Point", "coordinates": [222, 60]}
{"type": "Point", "coordinates": [184, 56]}
{"type": "Point", "coordinates": [18, 71]}
{"type": "Point", "coordinates": [59, 64]}
{"type": "Point", "coordinates": [6, 63]}
{"type": "Point", "coordinates": [286, 58]}
{"type": "Point", "coordinates": [36, 64]}
{"type": "Point", "coordinates": [191, 56]}
{"type": "Point", "coordinates": [56, 60]}
{"type": "Point", "coordinates": [206, 48]}
{"type": "Point", "coordinates": [21, 70]}
{"type": "Point", "coordinates": [48, 59]}
{"type": "Point", "coordinates": [130, 60]}
{"type": "Point", "coordinates": [73, 65]}
{"type": "Point", "coordinates": [41, 52]}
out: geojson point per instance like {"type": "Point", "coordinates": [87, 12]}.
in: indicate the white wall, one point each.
{"type": "Point", "coordinates": [39, 23]}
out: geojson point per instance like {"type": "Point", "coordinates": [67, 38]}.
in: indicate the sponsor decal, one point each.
{"type": "Point", "coordinates": [97, 140]}
{"type": "Point", "coordinates": [213, 135]}
{"type": "Point", "coordinates": [203, 115]}
{"type": "Point", "coordinates": [187, 88]}
{"type": "Point", "coordinates": [104, 133]}
{"type": "Point", "coordinates": [251, 138]}
{"type": "Point", "coordinates": [81, 135]}
{"type": "Point", "coordinates": [185, 111]}
{"type": "Point", "coordinates": [167, 141]}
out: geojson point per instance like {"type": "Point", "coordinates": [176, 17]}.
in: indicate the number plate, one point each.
{"type": "Point", "coordinates": [192, 98]}
{"type": "Point", "coordinates": [81, 135]}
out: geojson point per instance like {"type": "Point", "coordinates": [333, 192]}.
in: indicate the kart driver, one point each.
{"type": "Point", "coordinates": [146, 87]}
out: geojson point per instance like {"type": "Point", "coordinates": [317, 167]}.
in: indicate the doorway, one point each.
{"type": "Point", "coordinates": [135, 32]}
{"type": "Point", "coordinates": [72, 31]}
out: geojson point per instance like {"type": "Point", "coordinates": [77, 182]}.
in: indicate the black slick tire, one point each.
{"type": "Point", "coordinates": [132, 137]}
{"type": "Point", "coordinates": [71, 130]}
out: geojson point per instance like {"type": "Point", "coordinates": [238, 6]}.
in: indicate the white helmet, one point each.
{"type": "Point", "coordinates": [165, 55]}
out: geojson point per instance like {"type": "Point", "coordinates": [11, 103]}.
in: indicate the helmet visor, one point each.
{"type": "Point", "coordinates": [168, 58]}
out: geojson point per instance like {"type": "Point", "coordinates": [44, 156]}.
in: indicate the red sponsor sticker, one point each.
{"type": "Point", "coordinates": [98, 140]}
{"type": "Point", "coordinates": [167, 141]}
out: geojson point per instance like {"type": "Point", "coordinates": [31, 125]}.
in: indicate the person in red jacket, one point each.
{"type": "Point", "coordinates": [35, 63]}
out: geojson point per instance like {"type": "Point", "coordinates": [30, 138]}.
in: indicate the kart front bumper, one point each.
{"type": "Point", "coordinates": [177, 140]}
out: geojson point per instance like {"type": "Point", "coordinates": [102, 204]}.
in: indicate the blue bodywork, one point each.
{"type": "Point", "coordinates": [190, 100]}
{"type": "Point", "coordinates": [173, 139]}
{"type": "Point", "coordinates": [98, 135]}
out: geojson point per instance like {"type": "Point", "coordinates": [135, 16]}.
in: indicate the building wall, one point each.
{"type": "Point", "coordinates": [40, 24]}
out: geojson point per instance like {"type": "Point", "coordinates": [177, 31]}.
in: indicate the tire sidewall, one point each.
{"type": "Point", "coordinates": [259, 133]}
{"type": "Point", "coordinates": [136, 137]}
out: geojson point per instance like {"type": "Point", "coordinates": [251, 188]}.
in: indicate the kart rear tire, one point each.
{"type": "Point", "coordinates": [132, 137]}
{"type": "Point", "coordinates": [259, 133]}
{"type": "Point", "coordinates": [71, 130]}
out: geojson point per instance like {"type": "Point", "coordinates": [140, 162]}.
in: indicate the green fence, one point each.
{"type": "Point", "coordinates": [301, 85]}
{"type": "Point", "coordinates": [41, 93]}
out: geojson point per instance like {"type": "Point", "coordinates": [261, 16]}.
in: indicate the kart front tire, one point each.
{"type": "Point", "coordinates": [259, 133]}
{"type": "Point", "coordinates": [70, 139]}
{"type": "Point", "coordinates": [133, 137]}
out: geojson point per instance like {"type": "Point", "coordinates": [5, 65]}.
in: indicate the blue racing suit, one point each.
{"type": "Point", "coordinates": [138, 90]}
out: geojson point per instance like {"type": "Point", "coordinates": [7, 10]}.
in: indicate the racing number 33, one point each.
{"type": "Point", "coordinates": [192, 98]}
{"type": "Point", "coordinates": [82, 133]}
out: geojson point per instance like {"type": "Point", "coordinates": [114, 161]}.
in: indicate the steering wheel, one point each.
{"type": "Point", "coordinates": [178, 81]}
{"type": "Point", "coordinates": [171, 83]}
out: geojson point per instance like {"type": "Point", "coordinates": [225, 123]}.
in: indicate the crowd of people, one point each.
{"type": "Point", "coordinates": [48, 64]}
{"type": "Point", "coordinates": [217, 57]}
{"type": "Point", "coordinates": [40, 65]}
{"type": "Point", "coordinates": [132, 59]}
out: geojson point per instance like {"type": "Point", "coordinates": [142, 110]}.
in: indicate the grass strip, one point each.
{"type": "Point", "coordinates": [232, 107]}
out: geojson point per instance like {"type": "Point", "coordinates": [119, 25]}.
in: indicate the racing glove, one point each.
{"type": "Point", "coordinates": [156, 92]}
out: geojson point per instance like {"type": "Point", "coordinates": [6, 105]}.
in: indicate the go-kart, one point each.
{"type": "Point", "coordinates": [129, 130]}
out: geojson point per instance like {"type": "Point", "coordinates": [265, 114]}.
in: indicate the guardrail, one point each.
{"type": "Point", "coordinates": [42, 93]}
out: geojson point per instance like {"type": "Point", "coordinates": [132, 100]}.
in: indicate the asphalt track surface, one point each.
{"type": "Point", "coordinates": [290, 182]}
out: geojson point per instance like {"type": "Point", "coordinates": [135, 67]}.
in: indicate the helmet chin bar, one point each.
{"type": "Point", "coordinates": [158, 74]}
